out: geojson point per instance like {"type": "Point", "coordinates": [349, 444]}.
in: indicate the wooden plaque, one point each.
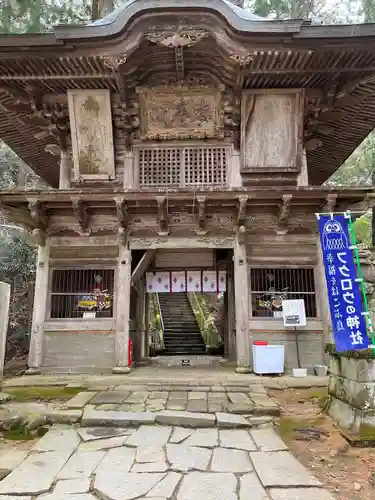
{"type": "Point", "coordinates": [181, 113]}
{"type": "Point", "coordinates": [92, 136]}
{"type": "Point", "coordinates": [271, 130]}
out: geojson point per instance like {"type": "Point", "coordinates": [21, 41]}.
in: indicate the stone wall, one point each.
{"type": "Point", "coordinates": [352, 391]}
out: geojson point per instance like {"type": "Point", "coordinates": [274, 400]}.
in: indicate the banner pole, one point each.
{"type": "Point", "coordinates": [360, 275]}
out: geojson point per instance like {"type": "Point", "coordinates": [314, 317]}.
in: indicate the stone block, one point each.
{"type": "Point", "coordinates": [185, 419]}
{"type": "Point", "coordinates": [197, 405]}
{"type": "Point", "coordinates": [160, 395]}
{"type": "Point", "coordinates": [98, 418]}
{"type": "Point", "coordinates": [178, 395]}
{"type": "Point", "coordinates": [345, 415]}
{"type": "Point", "coordinates": [137, 397]}
{"type": "Point", "coordinates": [229, 460]}
{"type": "Point", "coordinates": [117, 460]}
{"type": "Point", "coordinates": [36, 474]}
{"type": "Point", "coordinates": [149, 454]}
{"type": "Point", "coordinates": [80, 400]}
{"type": "Point", "coordinates": [71, 496]}
{"type": "Point", "coordinates": [161, 466]}
{"type": "Point", "coordinates": [360, 395]}
{"type": "Point", "coordinates": [4, 397]}
{"type": "Point", "coordinates": [281, 469]}
{"type": "Point", "coordinates": [197, 395]}
{"type": "Point", "coordinates": [63, 416]}
{"type": "Point", "coordinates": [228, 420]}
{"type": "Point", "coordinates": [198, 486]}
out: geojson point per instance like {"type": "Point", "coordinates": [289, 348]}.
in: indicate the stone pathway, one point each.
{"type": "Point", "coordinates": [157, 462]}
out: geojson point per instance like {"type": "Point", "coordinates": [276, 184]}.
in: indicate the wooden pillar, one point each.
{"type": "Point", "coordinates": [231, 341]}
{"type": "Point", "coordinates": [140, 320]}
{"type": "Point", "coordinates": [130, 179]}
{"type": "Point", "coordinates": [65, 170]}
{"type": "Point", "coordinates": [321, 295]}
{"type": "Point", "coordinates": [241, 293]}
{"type": "Point", "coordinates": [145, 352]}
{"type": "Point", "coordinates": [4, 317]}
{"type": "Point", "coordinates": [123, 310]}
{"type": "Point", "coordinates": [234, 170]}
{"type": "Point", "coordinates": [39, 310]}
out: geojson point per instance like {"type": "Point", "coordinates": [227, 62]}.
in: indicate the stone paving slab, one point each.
{"type": "Point", "coordinates": [300, 494]}
{"type": "Point", "coordinates": [198, 486]}
{"type": "Point", "coordinates": [250, 483]}
{"type": "Point", "coordinates": [93, 433]}
{"type": "Point", "coordinates": [81, 465]}
{"type": "Point", "coordinates": [230, 420]}
{"type": "Point", "coordinates": [10, 460]}
{"type": "Point", "coordinates": [110, 397]}
{"type": "Point", "coordinates": [80, 400]}
{"type": "Point", "coordinates": [36, 474]}
{"type": "Point", "coordinates": [281, 469]}
{"type": "Point", "coordinates": [267, 440]}
{"type": "Point", "coordinates": [157, 462]}
{"type": "Point", "coordinates": [58, 439]}
{"type": "Point", "coordinates": [237, 438]}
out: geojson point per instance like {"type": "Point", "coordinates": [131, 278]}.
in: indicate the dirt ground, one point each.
{"type": "Point", "coordinates": [349, 472]}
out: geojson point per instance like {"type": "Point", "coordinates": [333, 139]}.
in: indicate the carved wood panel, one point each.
{"type": "Point", "coordinates": [92, 135]}
{"type": "Point", "coordinates": [271, 130]}
{"type": "Point", "coordinates": [181, 112]}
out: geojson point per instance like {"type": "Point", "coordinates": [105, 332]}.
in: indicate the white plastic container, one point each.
{"type": "Point", "coordinates": [268, 359]}
{"type": "Point", "coordinates": [299, 372]}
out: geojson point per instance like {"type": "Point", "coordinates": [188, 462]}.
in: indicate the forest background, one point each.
{"type": "Point", "coordinates": [17, 255]}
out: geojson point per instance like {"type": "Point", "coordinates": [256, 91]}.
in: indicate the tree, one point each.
{"type": "Point", "coordinates": [101, 8]}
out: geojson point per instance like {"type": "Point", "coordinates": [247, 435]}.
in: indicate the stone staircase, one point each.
{"type": "Point", "coordinates": [181, 331]}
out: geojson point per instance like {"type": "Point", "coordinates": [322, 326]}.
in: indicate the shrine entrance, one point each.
{"type": "Point", "coordinates": [187, 303]}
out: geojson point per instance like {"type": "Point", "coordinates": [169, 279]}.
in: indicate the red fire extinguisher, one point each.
{"type": "Point", "coordinates": [130, 353]}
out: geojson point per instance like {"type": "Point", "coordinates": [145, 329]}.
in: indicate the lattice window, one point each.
{"type": "Point", "coordinates": [160, 167]}
{"type": "Point", "coordinates": [183, 167]}
{"type": "Point", "coordinates": [82, 293]}
{"type": "Point", "coordinates": [270, 286]}
{"type": "Point", "coordinates": [205, 166]}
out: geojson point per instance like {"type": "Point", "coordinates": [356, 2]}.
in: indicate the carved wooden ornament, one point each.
{"type": "Point", "coordinates": [181, 112]}
{"type": "Point", "coordinates": [92, 135]}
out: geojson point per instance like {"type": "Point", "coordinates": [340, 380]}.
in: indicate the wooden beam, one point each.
{"type": "Point", "coordinates": [122, 219]}
{"type": "Point", "coordinates": [142, 266]}
{"type": "Point", "coordinates": [82, 215]}
{"type": "Point", "coordinates": [284, 210]}
{"type": "Point", "coordinates": [162, 216]}
{"type": "Point", "coordinates": [201, 218]}
{"type": "Point", "coordinates": [39, 237]}
{"type": "Point", "coordinates": [242, 210]}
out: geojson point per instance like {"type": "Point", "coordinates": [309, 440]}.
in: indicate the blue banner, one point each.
{"type": "Point", "coordinates": [345, 299]}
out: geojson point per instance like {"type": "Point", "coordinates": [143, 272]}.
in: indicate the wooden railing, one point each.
{"type": "Point", "coordinates": [204, 318]}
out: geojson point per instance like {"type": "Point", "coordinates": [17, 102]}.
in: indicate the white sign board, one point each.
{"type": "Point", "coordinates": [294, 312]}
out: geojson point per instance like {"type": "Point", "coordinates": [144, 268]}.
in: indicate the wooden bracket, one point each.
{"type": "Point", "coordinates": [122, 219]}
{"type": "Point", "coordinates": [329, 205]}
{"type": "Point", "coordinates": [82, 215]}
{"type": "Point", "coordinates": [284, 210]}
{"type": "Point", "coordinates": [201, 219]}
{"type": "Point", "coordinates": [162, 216]}
{"type": "Point", "coordinates": [242, 212]}
{"type": "Point", "coordinates": [38, 213]}
{"type": "Point", "coordinates": [39, 237]}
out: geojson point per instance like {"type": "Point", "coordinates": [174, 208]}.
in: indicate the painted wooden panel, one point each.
{"type": "Point", "coordinates": [271, 128]}
{"type": "Point", "coordinates": [184, 259]}
{"type": "Point", "coordinates": [92, 135]}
